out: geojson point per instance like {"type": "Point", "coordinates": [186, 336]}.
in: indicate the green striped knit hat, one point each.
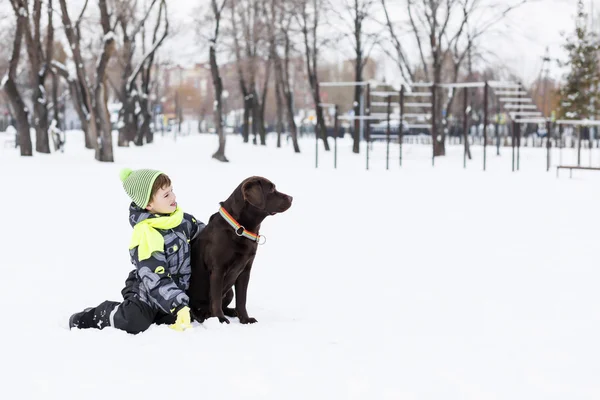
{"type": "Point", "coordinates": [138, 184]}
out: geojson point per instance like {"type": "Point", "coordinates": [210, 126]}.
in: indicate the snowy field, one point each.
{"type": "Point", "coordinates": [435, 283]}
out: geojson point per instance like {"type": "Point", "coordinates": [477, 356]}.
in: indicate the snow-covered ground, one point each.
{"type": "Point", "coordinates": [423, 282]}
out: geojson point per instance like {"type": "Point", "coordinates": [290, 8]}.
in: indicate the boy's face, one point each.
{"type": "Point", "coordinates": [163, 202]}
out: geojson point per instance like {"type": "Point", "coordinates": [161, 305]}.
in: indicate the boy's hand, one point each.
{"type": "Point", "coordinates": [183, 320]}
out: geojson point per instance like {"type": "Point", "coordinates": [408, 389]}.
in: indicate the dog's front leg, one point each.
{"type": "Point", "coordinates": [241, 290]}
{"type": "Point", "coordinates": [216, 294]}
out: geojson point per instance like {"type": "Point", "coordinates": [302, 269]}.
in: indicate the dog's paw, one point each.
{"type": "Point", "coordinates": [248, 320]}
{"type": "Point", "coordinates": [223, 319]}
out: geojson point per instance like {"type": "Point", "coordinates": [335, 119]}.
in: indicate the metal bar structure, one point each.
{"type": "Point", "coordinates": [401, 127]}
{"type": "Point", "coordinates": [496, 132]}
{"type": "Point", "coordinates": [424, 105]}
{"type": "Point", "coordinates": [367, 125]}
{"type": "Point", "coordinates": [319, 108]}
{"type": "Point", "coordinates": [336, 133]}
{"type": "Point", "coordinates": [509, 92]}
{"type": "Point", "coordinates": [514, 100]}
{"type": "Point", "coordinates": [540, 120]}
{"type": "Point", "coordinates": [462, 85]}
{"type": "Point", "coordinates": [433, 124]}
{"type": "Point", "coordinates": [520, 106]}
{"type": "Point", "coordinates": [504, 85]}
{"type": "Point", "coordinates": [387, 151]}
{"type": "Point", "coordinates": [363, 117]}
{"type": "Point", "coordinates": [417, 94]}
{"type": "Point", "coordinates": [485, 122]}
{"type": "Point", "coordinates": [525, 114]}
{"type": "Point", "coordinates": [382, 94]}
{"type": "Point", "coordinates": [465, 125]}
{"type": "Point", "coordinates": [548, 143]}
{"type": "Point", "coordinates": [586, 122]}
{"type": "Point", "coordinates": [512, 142]}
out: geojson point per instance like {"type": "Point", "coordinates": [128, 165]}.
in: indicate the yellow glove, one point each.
{"type": "Point", "coordinates": [183, 320]}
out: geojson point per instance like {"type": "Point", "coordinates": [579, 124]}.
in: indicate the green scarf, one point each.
{"type": "Point", "coordinates": [148, 238]}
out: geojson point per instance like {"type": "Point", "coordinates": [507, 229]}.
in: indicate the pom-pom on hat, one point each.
{"type": "Point", "coordinates": [138, 184]}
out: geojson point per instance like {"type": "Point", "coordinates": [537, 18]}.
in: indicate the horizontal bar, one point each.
{"type": "Point", "coordinates": [327, 104]}
{"type": "Point", "coordinates": [525, 113]}
{"type": "Point", "coordinates": [462, 85]}
{"type": "Point", "coordinates": [382, 103]}
{"type": "Point", "coordinates": [531, 120]}
{"type": "Point", "coordinates": [425, 105]}
{"type": "Point", "coordinates": [419, 126]}
{"type": "Point", "coordinates": [510, 92]}
{"type": "Point", "coordinates": [515, 99]}
{"type": "Point", "coordinates": [418, 94]}
{"type": "Point", "coordinates": [578, 122]}
{"type": "Point", "coordinates": [520, 106]}
{"type": "Point", "coordinates": [384, 94]}
{"type": "Point", "coordinates": [416, 115]}
{"type": "Point", "coordinates": [506, 85]}
{"type": "Point", "coordinates": [362, 117]}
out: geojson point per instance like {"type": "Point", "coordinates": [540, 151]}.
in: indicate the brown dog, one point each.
{"type": "Point", "coordinates": [223, 253]}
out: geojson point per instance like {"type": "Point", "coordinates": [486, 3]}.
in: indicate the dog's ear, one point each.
{"type": "Point", "coordinates": [252, 191]}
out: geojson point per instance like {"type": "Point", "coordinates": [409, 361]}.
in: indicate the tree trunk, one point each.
{"type": "Point", "coordinates": [40, 114]}
{"type": "Point", "coordinates": [279, 106]}
{"type": "Point", "coordinates": [17, 105]}
{"type": "Point", "coordinates": [357, 78]}
{"type": "Point", "coordinates": [19, 110]}
{"type": "Point", "coordinates": [86, 96]}
{"type": "Point", "coordinates": [438, 136]}
{"type": "Point", "coordinates": [77, 100]}
{"type": "Point", "coordinates": [291, 123]}
{"type": "Point", "coordinates": [218, 85]}
{"type": "Point", "coordinates": [246, 124]}
{"type": "Point", "coordinates": [104, 152]}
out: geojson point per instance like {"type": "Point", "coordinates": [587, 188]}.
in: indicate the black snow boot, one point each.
{"type": "Point", "coordinates": [83, 319]}
{"type": "Point", "coordinates": [96, 317]}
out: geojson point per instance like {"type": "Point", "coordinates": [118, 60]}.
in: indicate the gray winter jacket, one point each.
{"type": "Point", "coordinates": [161, 280]}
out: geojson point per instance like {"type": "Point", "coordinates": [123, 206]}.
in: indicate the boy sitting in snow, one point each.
{"type": "Point", "coordinates": [155, 292]}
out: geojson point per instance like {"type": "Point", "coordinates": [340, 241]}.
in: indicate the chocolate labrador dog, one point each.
{"type": "Point", "coordinates": [223, 253]}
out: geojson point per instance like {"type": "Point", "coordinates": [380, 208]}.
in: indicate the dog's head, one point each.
{"type": "Point", "coordinates": [261, 194]}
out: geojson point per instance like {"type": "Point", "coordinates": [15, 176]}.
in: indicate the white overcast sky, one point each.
{"type": "Point", "coordinates": [529, 30]}
{"type": "Point", "coordinates": [519, 41]}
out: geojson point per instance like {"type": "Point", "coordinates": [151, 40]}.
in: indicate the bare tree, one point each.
{"type": "Point", "coordinates": [38, 70]}
{"type": "Point", "coordinates": [17, 105]}
{"type": "Point", "coordinates": [244, 26]}
{"type": "Point", "coordinates": [146, 70]}
{"type": "Point", "coordinates": [217, 10]}
{"type": "Point", "coordinates": [135, 105]}
{"type": "Point", "coordinates": [279, 19]}
{"type": "Point", "coordinates": [309, 20]}
{"type": "Point", "coordinates": [354, 16]}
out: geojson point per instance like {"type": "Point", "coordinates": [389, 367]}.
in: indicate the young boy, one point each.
{"type": "Point", "coordinates": [155, 292]}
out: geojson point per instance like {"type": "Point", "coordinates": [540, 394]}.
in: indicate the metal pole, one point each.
{"type": "Point", "coordinates": [387, 150]}
{"type": "Point", "coordinates": [401, 131]}
{"type": "Point", "coordinates": [366, 121]}
{"type": "Point", "coordinates": [335, 136]}
{"type": "Point", "coordinates": [512, 143]}
{"type": "Point", "coordinates": [519, 147]}
{"type": "Point", "coordinates": [433, 122]}
{"type": "Point", "coordinates": [465, 125]}
{"type": "Point", "coordinates": [496, 128]}
{"type": "Point", "coordinates": [485, 121]}
{"type": "Point", "coordinates": [548, 144]}
{"type": "Point", "coordinates": [317, 140]}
